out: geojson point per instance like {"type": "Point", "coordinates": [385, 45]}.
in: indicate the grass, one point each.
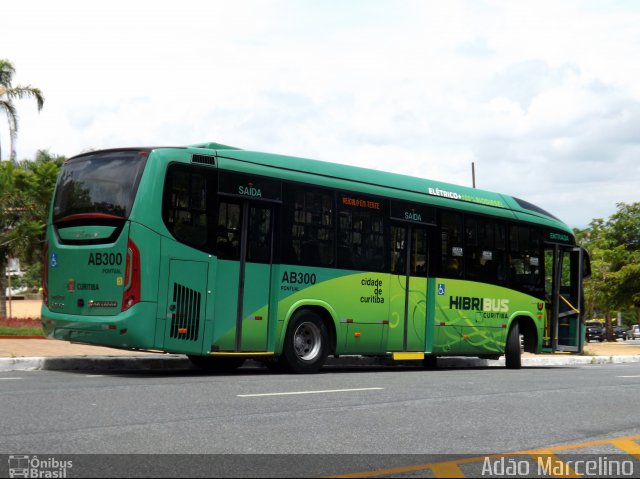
{"type": "Point", "coordinates": [20, 327]}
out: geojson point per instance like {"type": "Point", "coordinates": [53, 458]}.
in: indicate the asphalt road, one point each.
{"type": "Point", "coordinates": [347, 417]}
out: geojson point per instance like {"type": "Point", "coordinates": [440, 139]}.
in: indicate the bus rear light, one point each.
{"type": "Point", "coordinates": [131, 294]}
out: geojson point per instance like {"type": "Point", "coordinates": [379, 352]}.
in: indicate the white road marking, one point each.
{"type": "Point", "coordinates": [9, 378]}
{"type": "Point", "coordinates": [638, 376]}
{"type": "Point", "coordinates": [308, 392]}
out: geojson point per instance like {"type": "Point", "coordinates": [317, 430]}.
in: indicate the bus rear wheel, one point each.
{"type": "Point", "coordinates": [216, 364]}
{"type": "Point", "coordinates": [306, 344]}
{"type": "Point", "coordinates": [513, 352]}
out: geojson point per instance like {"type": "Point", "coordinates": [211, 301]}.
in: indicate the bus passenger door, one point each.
{"type": "Point", "coordinates": [408, 294]}
{"type": "Point", "coordinates": [564, 282]}
{"type": "Point", "coordinates": [243, 276]}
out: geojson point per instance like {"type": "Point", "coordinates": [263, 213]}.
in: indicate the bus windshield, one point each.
{"type": "Point", "coordinates": [103, 183]}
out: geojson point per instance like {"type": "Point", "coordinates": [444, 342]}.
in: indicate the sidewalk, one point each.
{"type": "Point", "coordinates": [34, 354]}
{"type": "Point", "coordinates": [14, 348]}
{"type": "Point", "coordinates": [31, 354]}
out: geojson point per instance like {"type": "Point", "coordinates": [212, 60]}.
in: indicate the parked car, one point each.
{"type": "Point", "coordinates": [595, 331]}
{"type": "Point", "coordinates": [634, 332]}
{"type": "Point", "coordinates": [619, 333]}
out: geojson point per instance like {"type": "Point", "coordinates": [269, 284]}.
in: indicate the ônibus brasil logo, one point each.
{"type": "Point", "coordinates": [27, 466]}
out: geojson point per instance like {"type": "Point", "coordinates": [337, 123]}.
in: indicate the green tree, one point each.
{"type": "Point", "coordinates": [614, 246]}
{"type": "Point", "coordinates": [9, 93]}
{"type": "Point", "coordinates": [624, 228]}
{"type": "Point", "coordinates": [6, 191]}
{"type": "Point", "coordinates": [595, 240]}
{"type": "Point", "coordinates": [26, 189]}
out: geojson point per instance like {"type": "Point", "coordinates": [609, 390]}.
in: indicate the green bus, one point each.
{"type": "Point", "coordinates": [224, 254]}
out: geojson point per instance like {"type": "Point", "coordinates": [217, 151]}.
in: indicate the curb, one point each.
{"type": "Point", "coordinates": [95, 363]}
{"type": "Point", "coordinates": [23, 337]}
{"type": "Point", "coordinates": [176, 361]}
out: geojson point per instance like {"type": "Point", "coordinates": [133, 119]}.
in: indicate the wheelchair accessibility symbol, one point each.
{"type": "Point", "coordinates": [440, 289]}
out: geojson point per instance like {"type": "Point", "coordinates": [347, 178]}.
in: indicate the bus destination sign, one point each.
{"type": "Point", "coordinates": [413, 212]}
{"type": "Point", "coordinates": [360, 202]}
{"type": "Point", "coordinates": [248, 185]}
{"type": "Point", "coordinates": [559, 237]}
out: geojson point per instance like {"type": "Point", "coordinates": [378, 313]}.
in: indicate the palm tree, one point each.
{"type": "Point", "coordinates": [8, 93]}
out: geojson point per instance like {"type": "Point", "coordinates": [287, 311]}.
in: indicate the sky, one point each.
{"type": "Point", "coordinates": [542, 96]}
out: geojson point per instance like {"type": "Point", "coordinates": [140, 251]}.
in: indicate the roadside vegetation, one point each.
{"type": "Point", "coordinates": [26, 188]}
{"type": "Point", "coordinates": [20, 327]}
{"type": "Point", "coordinates": [614, 286]}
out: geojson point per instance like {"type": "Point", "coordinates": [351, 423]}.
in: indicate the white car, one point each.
{"type": "Point", "coordinates": [634, 332]}
{"type": "Point", "coordinates": [16, 291]}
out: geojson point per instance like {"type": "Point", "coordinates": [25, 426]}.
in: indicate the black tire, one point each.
{"type": "Point", "coordinates": [218, 364]}
{"type": "Point", "coordinates": [306, 344]}
{"type": "Point", "coordinates": [430, 361]}
{"type": "Point", "coordinates": [512, 352]}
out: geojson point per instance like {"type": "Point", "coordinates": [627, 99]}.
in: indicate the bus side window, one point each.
{"type": "Point", "coordinates": [398, 249]}
{"type": "Point", "coordinates": [501, 248]}
{"type": "Point", "coordinates": [228, 232]}
{"type": "Point", "coordinates": [362, 223]}
{"type": "Point", "coordinates": [452, 249]}
{"type": "Point", "coordinates": [185, 205]}
{"type": "Point", "coordinates": [307, 226]}
{"type": "Point", "coordinates": [485, 246]}
{"type": "Point", "coordinates": [525, 259]}
{"type": "Point", "coordinates": [259, 238]}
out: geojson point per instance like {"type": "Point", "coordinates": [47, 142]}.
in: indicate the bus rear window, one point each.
{"type": "Point", "coordinates": [104, 182]}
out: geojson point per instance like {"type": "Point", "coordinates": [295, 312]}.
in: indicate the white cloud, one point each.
{"type": "Point", "coordinates": [541, 95]}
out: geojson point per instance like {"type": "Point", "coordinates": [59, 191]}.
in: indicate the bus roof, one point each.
{"type": "Point", "coordinates": [434, 192]}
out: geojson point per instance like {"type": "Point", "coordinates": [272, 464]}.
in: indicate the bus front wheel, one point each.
{"type": "Point", "coordinates": [306, 345]}
{"type": "Point", "coordinates": [513, 351]}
